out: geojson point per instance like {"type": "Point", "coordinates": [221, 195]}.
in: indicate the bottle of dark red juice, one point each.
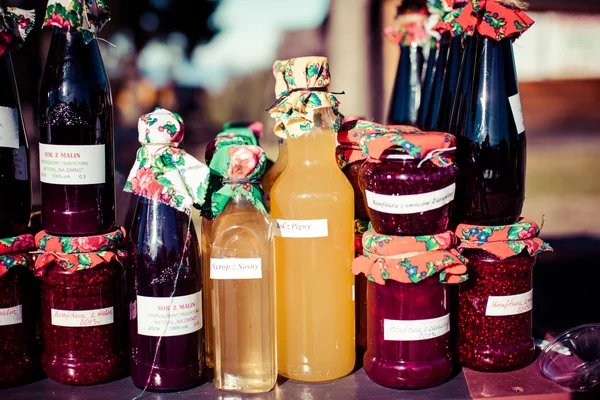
{"type": "Point", "coordinates": [15, 179]}
{"type": "Point", "coordinates": [166, 324]}
{"type": "Point", "coordinates": [487, 119]}
{"type": "Point", "coordinates": [76, 124]}
{"type": "Point", "coordinates": [410, 34]}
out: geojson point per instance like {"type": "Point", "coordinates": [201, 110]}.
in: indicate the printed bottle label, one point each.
{"type": "Point", "coordinates": [82, 318]}
{"type": "Point", "coordinates": [11, 315]}
{"type": "Point", "coordinates": [517, 112]}
{"type": "Point", "coordinates": [20, 164]}
{"type": "Point", "coordinates": [411, 203]}
{"type": "Point", "coordinates": [235, 268]}
{"type": "Point", "coordinates": [169, 316]}
{"type": "Point", "coordinates": [509, 305]}
{"type": "Point", "coordinates": [419, 329]}
{"type": "Point", "coordinates": [301, 228]}
{"type": "Point", "coordinates": [72, 165]}
{"type": "Point", "coordinates": [9, 127]}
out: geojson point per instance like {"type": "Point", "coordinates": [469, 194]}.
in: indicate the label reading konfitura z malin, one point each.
{"type": "Point", "coordinates": [82, 318]}
{"type": "Point", "coordinates": [11, 315]}
{"type": "Point", "coordinates": [418, 329]}
{"type": "Point", "coordinates": [72, 165]}
{"type": "Point", "coordinates": [509, 305]}
{"type": "Point", "coordinates": [301, 228]}
{"type": "Point", "coordinates": [166, 316]}
{"type": "Point", "coordinates": [411, 203]}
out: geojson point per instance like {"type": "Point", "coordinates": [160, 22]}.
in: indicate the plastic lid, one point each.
{"type": "Point", "coordinates": [573, 359]}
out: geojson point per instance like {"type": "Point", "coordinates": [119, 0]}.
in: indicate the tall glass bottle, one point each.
{"type": "Point", "coordinates": [313, 204]}
{"type": "Point", "coordinates": [242, 275]}
{"type": "Point", "coordinates": [166, 327]}
{"type": "Point", "coordinates": [275, 171]}
{"type": "Point", "coordinates": [488, 122]}
{"type": "Point", "coordinates": [430, 107]}
{"type": "Point", "coordinates": [76, 130]}
{"type": "Point", "coordinates": [14, 156]}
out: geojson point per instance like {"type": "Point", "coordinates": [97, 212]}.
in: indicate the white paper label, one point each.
{"type": "Point", "coordinates": [82, 318]}
{"type": "Point", "coordinates": [165, 316]}
{"type": "Point", "coordinates": [11, 315]}
{"type": "Point", "coordinates": [72, 165]}
{"type": "Point", "coordinates": [9, 127]}
{"type": "Point", "coordinates": [517, 112]}
{"type": "Point", "coordinates": [509, 305]}
{"type": "Point", "coordinates": [411, 203]}
{"type": "Point", "coordinates": [20, 164]}
{"type": "Point", "coordinates": [419, 329]}
{"type": "Point", "coordinates": [301, 228]}
{"type": "Point", "coordinates": [235, 268]}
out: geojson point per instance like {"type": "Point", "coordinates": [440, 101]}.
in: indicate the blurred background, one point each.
{"type": "Point", "coordinates": [211, 60]}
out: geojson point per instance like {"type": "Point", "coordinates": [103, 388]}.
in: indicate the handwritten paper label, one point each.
{"type": "Point", "coordinates": [20, 164]}
{"type": "Point", "coordinates": [72, 165]}
{"type": "Point", "coordinates": [9, 127]}
{"type": "Point", "coordinates": [509, 305]}
{"type": "Point", "coordinates": [82, 318]}
{"type": "Point", "coordinates": [411, 203]}
{"type": "Point", "coordinates": [235, 268]}
{"type": "Point", "coordinates": [301, 228]}
{"type": "Point", "coordinates": [11, 315]}
{"type": "Point", "coordinates": [418, 329]}
{"type": "Point", "coordinates": [165, 316]}
{"type": "Point", "coordinates": [517, 112]}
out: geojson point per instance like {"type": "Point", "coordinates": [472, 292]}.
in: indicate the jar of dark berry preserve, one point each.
{"type": "Point", "coordinates": [84, 315]}
{"type": "Point", "coordinates": [408, 182]}
{"type": "Point", "coordinates": [495, 305]}
{"type": "Point", "coordinates": [408, 304]}
{"type": "Point", "coordinates": [19, 360]}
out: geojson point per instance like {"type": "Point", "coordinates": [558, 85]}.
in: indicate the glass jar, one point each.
{"type": "Point", "coordinates": [408, 334]}
{"type": "Point", "coordinates": [19, 362]}
{"type": "Point", "coordinates": [404, 198]}
{"type": "Point", "coordinates": [360, 287]}
{"type": "Point", "coordinates": [494, 312]}
{"type": "Point", "coordinates": [84, 323]}
{"type": "Point", "coordinates": [351, 171]}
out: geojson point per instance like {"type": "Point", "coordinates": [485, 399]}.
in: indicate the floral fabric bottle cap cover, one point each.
{"type": "Point", "coordinates": [303, 92]}
{"type": "Point", "coordinates": [162, 170]}
{"type": "Point", "coordinates": [409, 27]}
{"type": "Point", "coordinates": [15, 25]}
{"type": "Point", "coordinates": [14, 252]}
{"type": "Point", "coordinates": [241, 168]}
{"type": "Point", "coordinates": [86, 16]}
{"type": "Point", "coordinates": [491, 18]}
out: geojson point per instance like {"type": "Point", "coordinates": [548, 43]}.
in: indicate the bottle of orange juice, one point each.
{"type": "Point", "coordinates": [275, 171]}
{"type": "Point", "coordinates": [313, 205]}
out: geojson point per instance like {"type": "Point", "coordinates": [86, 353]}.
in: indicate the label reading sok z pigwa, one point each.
{"type": "Point", "coordinates": [509, 305]}
{"type": "Point", "coordinates": [418, 329]}
{"type": "Point", "coordinates": [164, 316]}
{"type": "Point", "coordinates": [299, 228]}
{"type": "Point", "coordinates": [412, 203]}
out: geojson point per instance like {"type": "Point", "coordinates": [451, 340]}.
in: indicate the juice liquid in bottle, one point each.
{"type": "Point", "coordinates": [275, 171]}
{"type": "Point", "coordinates": [313, 204]}
{"type": "Point", "coordinates": [76, 125]}
{"type": "Point", "coordinates": [242, 275]}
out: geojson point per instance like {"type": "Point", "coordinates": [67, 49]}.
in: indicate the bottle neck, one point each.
{"type": "Point", "coordinates": [406, 96]}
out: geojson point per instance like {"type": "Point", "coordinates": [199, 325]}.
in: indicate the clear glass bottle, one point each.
{"type": "Point", "coordinates": [275, 171]}
{"type": "Point", "coordinates": [315, 303]}
{"type": "Point", "coordinates": [76, 138]}
{"type": "Point", "coordinates": [243, 281]}
{"type": "Point", "coordinates": [14, 155]}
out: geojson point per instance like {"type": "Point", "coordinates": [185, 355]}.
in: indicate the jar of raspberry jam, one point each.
{"type": "Point", "coordinates": [84, 314]}
{"type": "Point", "coordinates": [19, 360]}
{"type": "Point", "coordinates": [495, 304]}
{"type": "Point", "coordinates": [408, 182]}
{"type": "Point", "coordinates": [408, 307]}
{"type": "Point", "coordinates": [351, 169]}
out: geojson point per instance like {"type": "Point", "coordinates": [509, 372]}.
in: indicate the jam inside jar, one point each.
{"type": "Point", "coordinates": [351, 170]}
{"type": "Point", "coordinates": [495, 333]}
{"type": "Point", "coordinates": [408, 334]}
{"type": "Point", "coordinates": [84, 323]}
{"type": "Point", "coordinates": [405, 198]}
{"type": "Point", "coordinates": [19, 363]}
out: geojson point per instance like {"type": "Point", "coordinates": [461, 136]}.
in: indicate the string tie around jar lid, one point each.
{"type": "Point", "coordinates": [503, 241]}
{"type": "Point", "coordinates": [410, 259]}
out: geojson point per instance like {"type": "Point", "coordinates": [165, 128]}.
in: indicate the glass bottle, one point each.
{"type": "Point", "coordinates": [446, 98]}
{"type": "Point", "coordinates": [275, 171]}
{"type": "Point", "coordinates": [433, 57]}
{"type": "Point", "coordinates": [313, 203]}
{"type": "Point", "coordinates": [14, 155]}
{"type": "Point", "coordinates": [430, 107]}
{"type": "Point", "coordinates": [406, 95]}
{"type": "Point", "coordinates": [491, 146]}
{"type": "Point", "coordinates": [76, 138]}
{"type": "Point", "coordinates": [167, 275]}
{"type": "Point", "coordinates": [243, 280]}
